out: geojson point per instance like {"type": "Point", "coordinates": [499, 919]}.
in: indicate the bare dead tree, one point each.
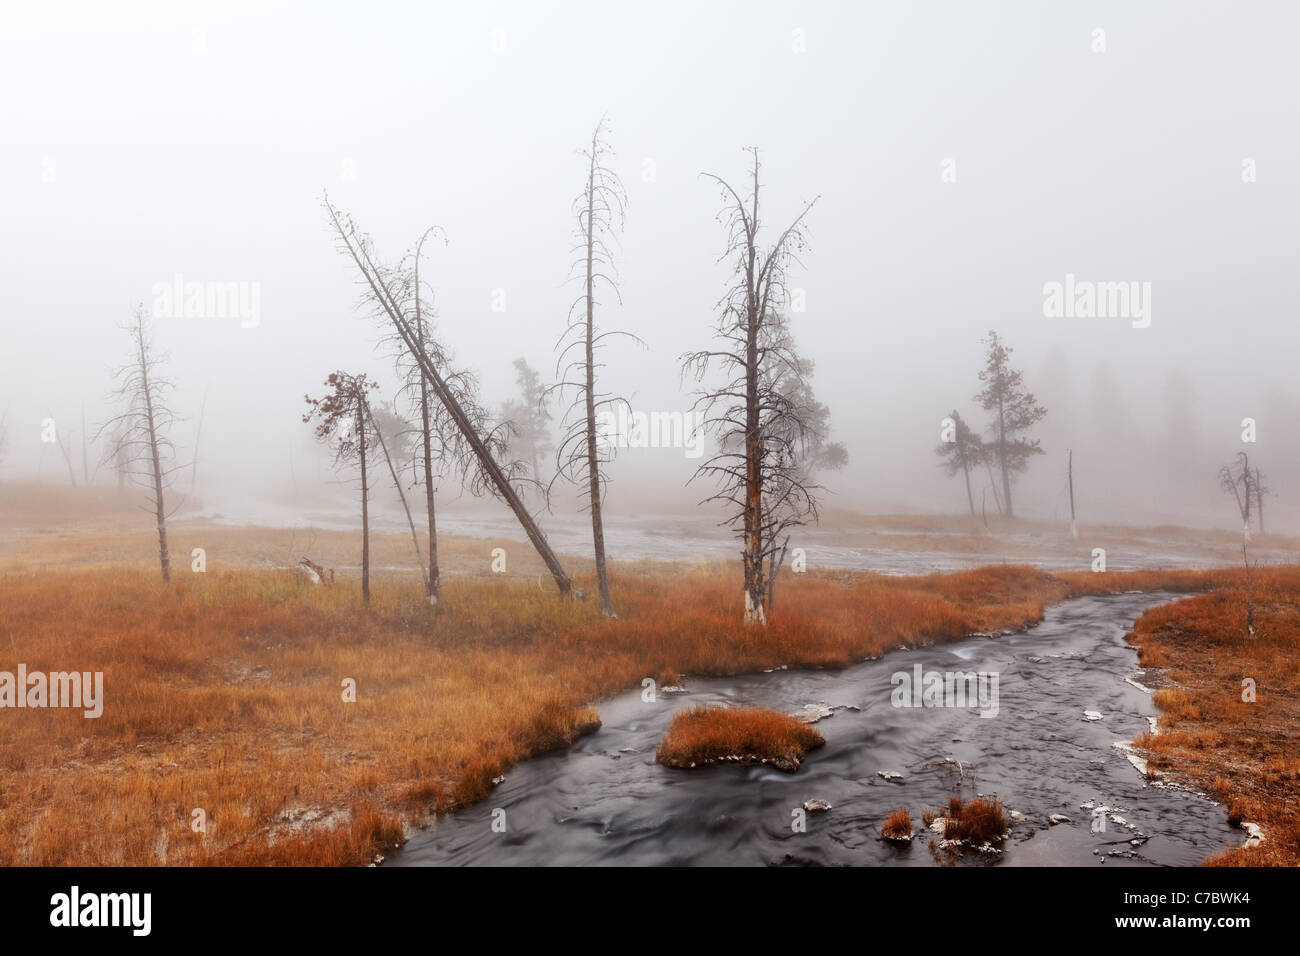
{"type": "Point", "coordinates": [343, 415]}
{"type": "Point", "coordinates": [439, 439]}
{"type": "Point", "coordinates": [423, 338]}
{"type": "Point", "coordinates": [989, 453]}
{"type": "Point", "coordinates": [1240, 484]}
{"type": "Point", "coordinates": [580, 457]}
{"type": "Point", "coordinates": [1261, 489]}
{"type": "Point", "coordinates": [1074, 527]}
{"type": "Point", "coordinates": [63, 451]}
{"type": "Point", "coordinates": [198, 434]}
{"type": "Point", "coordinates": [753, 419]}
{"type": "Point", "coordinates": [85, 463]}
{"type": "Point", "coordinates": [397, 483]}
{"type": "Point", "coordinates": [140, 443]}
{"type": "Point", "coordinates": [121, 463]}
{"type": "Point", "coordinates": [444, 450]}
{"type": "Point", "coordinates": [385, 288]}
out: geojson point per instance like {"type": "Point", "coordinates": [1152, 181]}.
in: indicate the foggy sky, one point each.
{"type": "Point", "coordinates": [143, 141]}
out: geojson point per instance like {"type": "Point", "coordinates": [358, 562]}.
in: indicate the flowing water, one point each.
{"type": "Point", "coordinates": [606, 801]}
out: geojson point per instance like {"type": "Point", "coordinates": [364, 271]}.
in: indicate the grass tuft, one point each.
{"type": "Point", "coordinates": [706, 735]}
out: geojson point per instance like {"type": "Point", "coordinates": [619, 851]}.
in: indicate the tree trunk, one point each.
{"type": "Point", "coordinates": [432, 582]}
{"type": "Point", "coordinates": [1259, 499]}
{"type": "Point", "coordinates": [365, 511]}
{"type": "Point", "coordinates": [965, 468]}
{"type": "Point", "coordinates": [774, 567]}
{"type": "Point", "coordinates": [1002, 455]}
{"type": "Point", "coordinates": [85, 464]}
{"type": "Point", "coordinates": [397, 483]}
{"type": "Point", "coordinates": [997, 499]}
{"type": "Point", "coordinates": [160, 511]}
{"type": "Point", "coordinates": [1074, 528]}
{"type": "Point", "coordinates": [198, 434]}
{"type": "Point", "coordinates": [593, 461]}
{"type": "Point", "coordinates": [755, 593]}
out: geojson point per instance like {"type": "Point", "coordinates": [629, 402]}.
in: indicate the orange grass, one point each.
{"type": "Point", "coordinates": [705, 735]}
{"type": "Point", "coordinates": [898, 825]}
{"type": "Point", "coordinates": [978, 822]}
{"type": "Point", "coordinates": [223, 690]}
{"type": "Point", "coordinates": [1245, 754]}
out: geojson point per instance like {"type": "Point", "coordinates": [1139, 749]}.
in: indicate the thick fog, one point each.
{"type": "Point", "coordinates": [965, 155]}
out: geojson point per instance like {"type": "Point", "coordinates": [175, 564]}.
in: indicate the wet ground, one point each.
{"type": "Point", "coordinates": [606, 800]}
{"type": "Point", "coordinates": [695, 538]}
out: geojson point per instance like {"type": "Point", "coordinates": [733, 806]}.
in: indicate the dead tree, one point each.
{"type": "Point", "coordinates": [85, 461]}
{"type": "Point", "coordinates": [444, 449]}
{"type": "Point", "coordinates": [427, 418]}
{"type": "Point", "coordinates": [63, 451]}
{"type": "Point", "coordinates": [397, 483]}
{"type": "Point", "coordinates": [989, 452]}
{"type": "Point", "coordinates": [489, 472]}
{"type": "Point", "coordinates": [1074, 527]}
{"type": "Point", "coordinates": [140, 445]}
{"type": "Point", "coordinates": [753, 420]}
{"type": "Point", "coordinates": [343, 414]}
{"type": "Point", "coordinates": [1261, 490]}
{"type": "Point", "coordinates": [1240, 484]}
{"type": "Point", "coordinates": [198, 434]}
{"type": "Point", "coordinates": [599, 210]}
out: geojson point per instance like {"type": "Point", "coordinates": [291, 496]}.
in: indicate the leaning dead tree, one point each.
{"type": "Point", "coordinates": [443, 451]}
{"type": "Point", "coordinates": [384, 286]}
{"type": "Point", "coordinates": [343, 416]}
{"type": "Point", "coordinates": [580, 457]}
{"type": "Point", "coordinates": [401, 493]}
{"type": "Point", "coordinates": [756, 468]}
{"type": "Point", "coordinates": [439, 438]}
{"type": "Point", "coordinates": [139, 444]}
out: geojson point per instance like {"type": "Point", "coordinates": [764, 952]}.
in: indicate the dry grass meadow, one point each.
{"type": "Point", "coordinates": [224, 691]}
{"type": "Point", "coordinates": [1245, 753]}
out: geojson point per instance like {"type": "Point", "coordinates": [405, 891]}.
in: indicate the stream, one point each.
{"type": "Point", "coordinates": [606, 801]}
